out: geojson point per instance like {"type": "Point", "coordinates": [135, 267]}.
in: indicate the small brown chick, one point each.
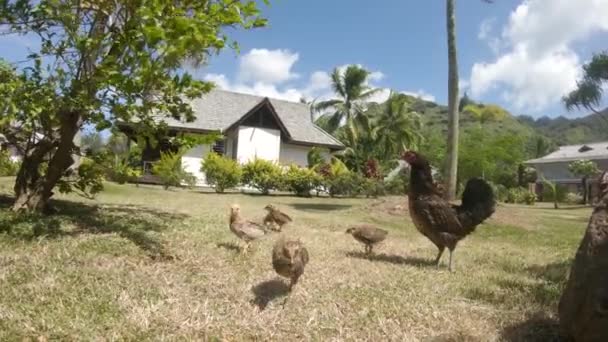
{"type": "Point", "coordinates": [275, 216]}
{"type": "Point", "coordinates": [289, 258]}
{"type": "Point", "coordinates": [244, 230]}
{"type": "Point", "coordinates": [368, 235]}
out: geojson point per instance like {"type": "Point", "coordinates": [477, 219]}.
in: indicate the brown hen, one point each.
{"type": "Point", "coordinates": [243, 229]}
{"type": "Point", "coordinates": [368, 235]}
{"type": "Point", "coordinates": [289, 257]}
{"type": "Point", "coordinates": [275, 216]}
{"type": "Point", "coordinates": [441, 222]}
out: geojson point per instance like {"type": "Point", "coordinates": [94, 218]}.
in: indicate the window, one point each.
{"type": "Point", "coordinates": [218, 147]}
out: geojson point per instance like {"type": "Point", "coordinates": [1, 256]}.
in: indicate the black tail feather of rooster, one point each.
{"type": "Point", "coordinates": [478, 204]}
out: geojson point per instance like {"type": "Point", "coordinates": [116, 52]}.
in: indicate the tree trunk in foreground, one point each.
{"type": "Point", "coordinates": [452, 145]}
{"type": "Point", "coordinates": [583, 307]}
{"type": "Point", "coordinates": [585, 190]}
{"type": "Point", "coordinates": [33, 190]}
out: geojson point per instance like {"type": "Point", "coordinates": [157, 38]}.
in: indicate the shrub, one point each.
{"type": "Point", "coordinates": [559, 196]}
{"type": "Point", "coordinates": [170, 171]}
{"type": "Point", "coordinates": [339, 184]}
{"type": "Point", "coordinates": [372, 169]}
{"type": "Point", "coordinates": [500, 191]}
{"type": "Point", "coordinates": [7, 166]}
{"type": "Point", "coordinates": [262, 174]}
{"type": "Point", "coordinates": [573, 198]}
{"type": "Point", "coordinates": [374, 188]}
{"type": "Point", "coordinates": [520, 196]}
{"type": "Point", "coordinates": [121, 172]}
{"type": "Point", "coordinates": [398, 185]}
{"type": "Point", "coordinates": [221, 172]}
{"type": "Point", "coordinates": [301, 180]}
{"type": "Point", "coordinates": [314, 157]}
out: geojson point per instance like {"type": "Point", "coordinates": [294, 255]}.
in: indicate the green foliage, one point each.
{"type": "Point", "coordinates": [583, 168]}
{"type": "Point", "coordinates": [350, 86]}
{"type": "Point", "coordinates": [315, 157]}
{"type": "Point", "coordinates": [397, 126]}
{"type": "Point", "coordinates": [573, 198]}
{"type": "Point", "coordinates": [398, 185]}
{"type": "Point", "coordinates": [186, 141]}
{"type": "Point", "coordinates": [262, 174]}
{"type": "Point", "coordinates": [99, 57]}
{"type": "Point", "coordinates": [520, 196]}
{"type": "Point", "coordinates": [7, 166]}
{"type": "Point", "coordinates": [590, 90]}
{"type": "Point", "coordinates": [171, 172]}
{"type": "Point", "coordinates": [485, 113]}
{"type": "Point", "coordinates": [495, 157]}
{"type": "Point", "coordinates": [121, 172]}
{"type": "Point", "coordinates": [301, 180]}
{"type": "Point", "coordinates": [88, 180]}
{"type": "Point", "coordinates": [221, 172]}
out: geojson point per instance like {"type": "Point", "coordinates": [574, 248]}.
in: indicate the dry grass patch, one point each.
{"type": "Point", "coordinates": [147, 264]}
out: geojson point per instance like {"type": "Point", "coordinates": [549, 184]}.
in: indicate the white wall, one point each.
{"type": "Point", "coordinates": [262, 143]}
{"type": "Point", "coordinates": [191, 161]}
{"type": "Point", "coordinates": [296, 154]}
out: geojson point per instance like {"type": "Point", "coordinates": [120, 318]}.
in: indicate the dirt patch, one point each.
{"type": "Point", "coordinates": [513, 216]}
{"type": "Point", "coordinates": [393, 205]}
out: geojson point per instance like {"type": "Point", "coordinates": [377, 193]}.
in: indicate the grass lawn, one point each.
{"type": "Point", "coordinates": [148, 264]}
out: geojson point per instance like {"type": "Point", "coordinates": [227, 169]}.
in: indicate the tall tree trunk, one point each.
{"type": "Point", "coordinates": [452, 145]}
{"type": "Point", "coordinates": [585, 189]}
{"type": "Point", "coordinates": [34, 190]}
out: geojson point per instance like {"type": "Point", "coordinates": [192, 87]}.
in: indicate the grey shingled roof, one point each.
{"type": "Point", "coordinates": [219, 109]}
{"type": "Point", "coordinates": [598, 150]}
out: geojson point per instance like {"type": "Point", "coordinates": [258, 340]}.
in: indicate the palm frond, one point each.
{"type": "Point", "coordinates": [323, 105]}
{"type": "Point", "coordinates": [369, 93]}
{"type": "Point", "coordinates": [337, 82]}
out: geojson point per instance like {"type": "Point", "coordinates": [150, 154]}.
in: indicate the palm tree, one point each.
{"type": "Point", "coordinates": [397, 127]}
{"type": "Point", "coordinates": [452, 150]}
{"type": "Point", "coordinates": [452, 145]}
{"type": "Point", "coordinates": [352, 91]}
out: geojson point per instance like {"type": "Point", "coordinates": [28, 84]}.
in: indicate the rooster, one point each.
{"type": "Point", "coordinates": [441, 222]}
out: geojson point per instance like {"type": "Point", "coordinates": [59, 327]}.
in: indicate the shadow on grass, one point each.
{"type": "Point", "coordinates": [319, 206]}
{"type": "Point", "coordinates": [229, 246]}
{"type": "Point", "coordinates": [393, 259]}
{"type": "Point", "coordinates": [267, 291]}
{"type": "Point", "coordinates": [539, 284]}
{"type": "Point", "coordinates": [538, 327]}
{"type": "Point", "coordinates": [130, 222]}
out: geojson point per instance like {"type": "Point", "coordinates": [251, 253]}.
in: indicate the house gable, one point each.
{"type": "Point", "coordinates": [263, 115]}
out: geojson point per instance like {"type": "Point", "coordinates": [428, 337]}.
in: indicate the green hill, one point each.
{"type": "Point", "coordinates": [564, 131]}
{"type": "Point", "coordinates": [560, 130]}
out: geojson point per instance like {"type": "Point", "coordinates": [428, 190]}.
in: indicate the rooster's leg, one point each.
{"type": "Point", "coordinates": [438, 259]}
{"type": "Point", "coordinates": [450, 265]}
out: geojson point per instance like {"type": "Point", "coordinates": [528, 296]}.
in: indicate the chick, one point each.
{"type": "Point", "coordinates": [368, 235]}
{"type": "Point", "coordinates": [275, 216]}
{"type": "Point", "coordinates": [289, 258]}
{"type": "Point", "coordinates": [244, 230]}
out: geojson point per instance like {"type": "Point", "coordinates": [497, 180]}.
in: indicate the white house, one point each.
{"type": "Point", "coordinates": [253, 126]}
{"type": "Point", "coordinates": [554, 166]}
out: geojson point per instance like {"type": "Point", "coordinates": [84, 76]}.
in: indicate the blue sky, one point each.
{"type": "Point", "coordinates": [520, 54]}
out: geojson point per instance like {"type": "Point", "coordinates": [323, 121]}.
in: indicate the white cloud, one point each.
{"type": "Point", "coordinates": [539, 64]}
{"type": "Point", "coordinates": [383, 94]}
{"type": "Point", "coordinates": [375, 76]}
{"type": "Point", "coordinates": [272, 85]}
{"type": "Point", "coordinates": [267, 66]}
{"type": "Point", "coordinates": [421, 94]}
{"type": "Point", "coordinates": [485, 28]}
